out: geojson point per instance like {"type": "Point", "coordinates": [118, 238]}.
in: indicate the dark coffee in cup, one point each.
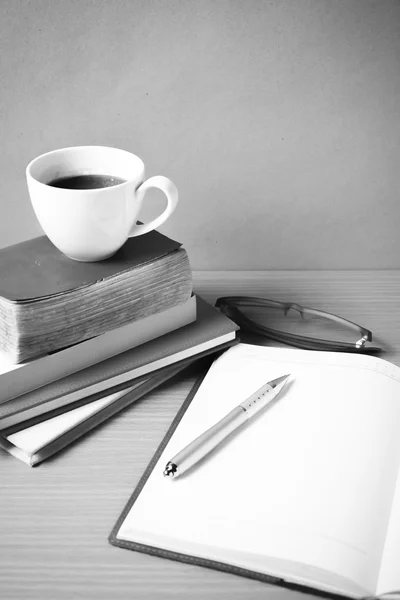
{"type": "Point", "coordinates": [86, 182]}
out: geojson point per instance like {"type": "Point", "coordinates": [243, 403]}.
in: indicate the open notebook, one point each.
{"type": "Point", "coordinates": [307, 493]}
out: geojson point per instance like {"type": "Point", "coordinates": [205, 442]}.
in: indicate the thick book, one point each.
{"type": "Point", "coordinates": [18, 379]}
{"type": "Point", "coordinates": [48, 301]}
{"type": "Point", "coordinates": [307, 494]}
{"type": "Point", "coordinates": [211, 330]}
{"type": "Point", "coordinates": [34, 442]}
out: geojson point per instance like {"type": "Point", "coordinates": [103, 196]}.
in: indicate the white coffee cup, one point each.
{"type": "Point", "coordinates": [92, 224]}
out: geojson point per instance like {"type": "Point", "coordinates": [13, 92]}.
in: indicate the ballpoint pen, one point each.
{"type": "Point", "coordinates": [210, 439]}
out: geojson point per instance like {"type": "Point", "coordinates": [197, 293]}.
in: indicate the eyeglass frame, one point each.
{"type": "Point", "coordinates": [228, 305]}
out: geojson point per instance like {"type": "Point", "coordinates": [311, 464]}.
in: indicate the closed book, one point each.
{"type": "Point", "coordinates": [34, 442]}
{"type": "Point", "coordinates": [48, 301]}
{"type": "Point", "coordinates": [305, 495]}
{"type": "Point", "coordinates": [211, 330]}
{"type": "Point", "coordinates": [18, 379]}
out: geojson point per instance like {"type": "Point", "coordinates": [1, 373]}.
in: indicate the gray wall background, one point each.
{"type": "Point", "coordinates": [278, 120]}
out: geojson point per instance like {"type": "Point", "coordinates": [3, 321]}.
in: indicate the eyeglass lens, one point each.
{"type": "Point", "coordinates": [300, 323]}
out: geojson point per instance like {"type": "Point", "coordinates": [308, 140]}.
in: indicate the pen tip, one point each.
{"type": "Point", "coordinates": [280, 381]}
{"type": "Point", "coordinates": [170, 470]}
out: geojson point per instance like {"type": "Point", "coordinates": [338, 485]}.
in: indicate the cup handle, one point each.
{"type": "Point", "coordinates": [170, 190]}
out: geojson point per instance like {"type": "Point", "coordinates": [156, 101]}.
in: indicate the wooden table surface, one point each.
{"type": "Point", "coordinates": [55, 518]}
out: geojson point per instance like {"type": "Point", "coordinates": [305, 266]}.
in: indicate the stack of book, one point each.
{"type": "Point", "coordinates": [81, 341]}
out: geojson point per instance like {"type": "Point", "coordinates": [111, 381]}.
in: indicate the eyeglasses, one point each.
{"type": "Point", "coordinates": [295, 325]}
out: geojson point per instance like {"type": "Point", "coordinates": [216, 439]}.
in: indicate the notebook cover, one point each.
{"type": "Point", "coordinates": [77, 431]}
{"type": "Point", "coordinates": [36, 268]}
{"type": "Point", "coordinates": [209, 325]}
{"type": "Point", "coordinates": [188, 558]}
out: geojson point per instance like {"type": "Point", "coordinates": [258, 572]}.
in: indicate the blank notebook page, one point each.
{"type": "Point", "coordinates": [287, 485]}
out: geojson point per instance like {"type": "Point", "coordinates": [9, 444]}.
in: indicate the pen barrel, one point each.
{"type": "Point", "coordinates": [259, 400]}
{"type": "Point", "coordinates": [209, 440]}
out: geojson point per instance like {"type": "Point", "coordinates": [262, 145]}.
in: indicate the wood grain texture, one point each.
{"type": "Point", "coordinates": [55, 519]}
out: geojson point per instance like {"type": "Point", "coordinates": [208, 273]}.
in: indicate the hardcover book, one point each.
{"type": "Point", "coordinates": [48, 301]}
{"type": "Point", "coordinates": [37, 440]}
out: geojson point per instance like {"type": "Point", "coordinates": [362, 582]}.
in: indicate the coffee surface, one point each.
{"type": "Point", "coordinates": [86, 182]}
